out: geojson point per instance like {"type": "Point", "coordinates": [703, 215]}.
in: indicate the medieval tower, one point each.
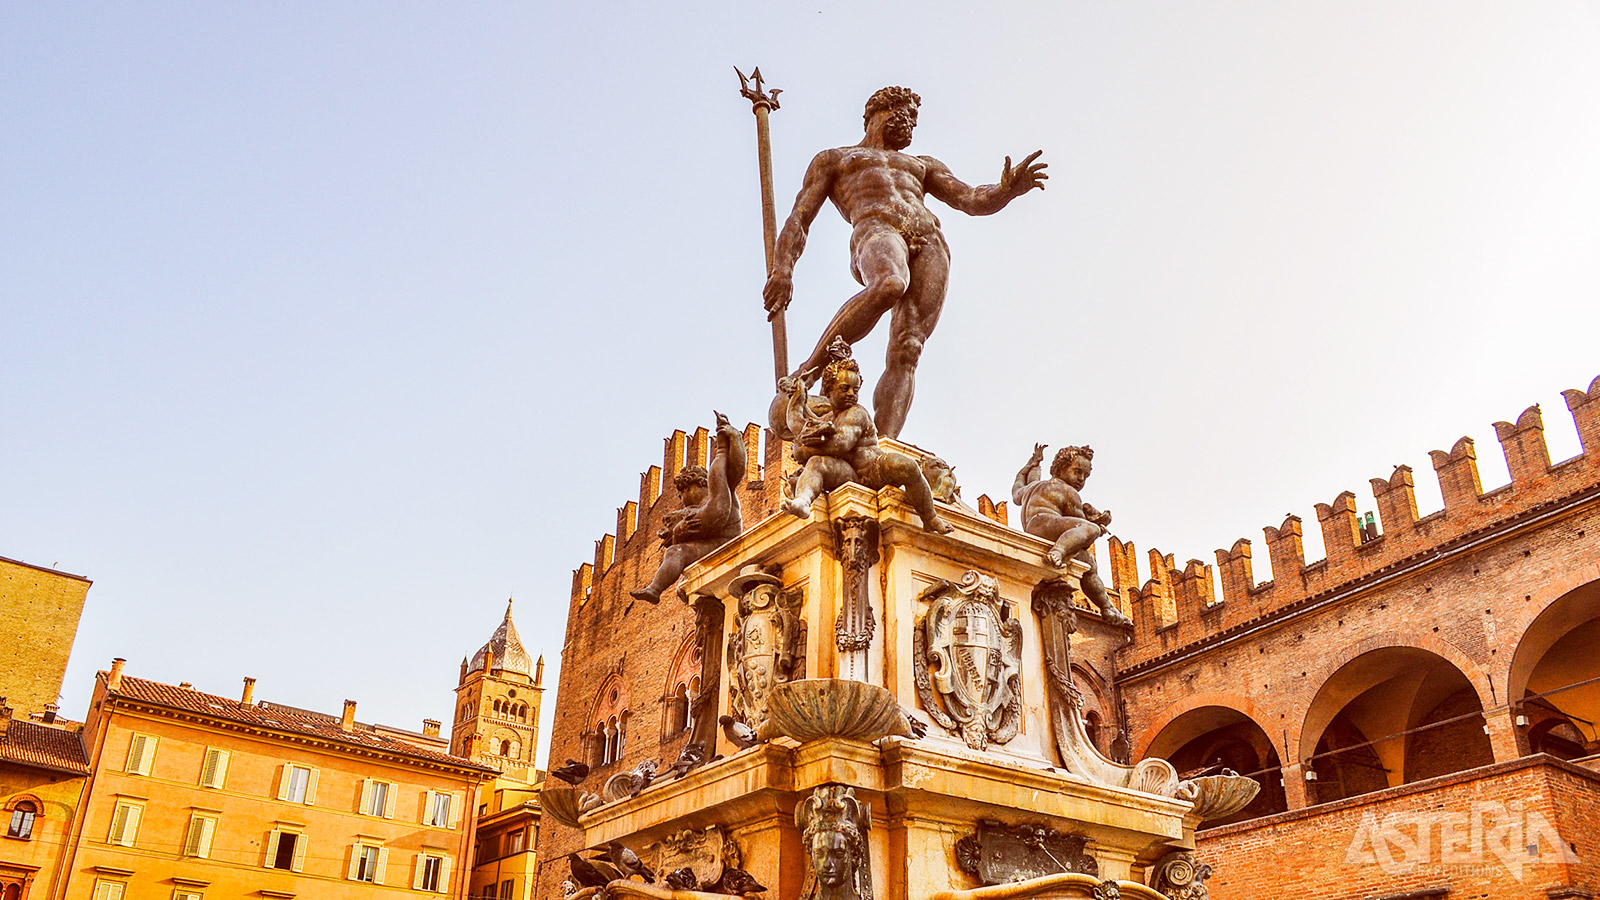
{"type": "Point", "coordinates": [497, 704]}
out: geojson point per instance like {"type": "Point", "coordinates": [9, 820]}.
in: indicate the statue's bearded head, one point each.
{"type": "Point", "coordinates": [899, 106]}
{"type": "Point", "coordinates": [1073, 465]}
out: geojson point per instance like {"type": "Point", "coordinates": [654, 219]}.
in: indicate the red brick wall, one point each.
{"type": "Point", "coordinates": [608, 634]}
{"type": "Point", "coordinates": [1372, 846]}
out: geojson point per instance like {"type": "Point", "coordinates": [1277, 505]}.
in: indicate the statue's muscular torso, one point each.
{"type": "Point", "coordinates": [872, 187]}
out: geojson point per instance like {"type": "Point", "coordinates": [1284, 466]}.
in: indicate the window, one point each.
{"type": "Point", "coordinates": [201, 830]}
{"type": "Point", "coordinates": [125, 824]}
{"type": "Point", "coordinates": [440, 810]}
{"type": "Point", "coordinates": [214, 773]}
{"type": "Point", "coordinates": [286, 850]}
{"type": "Point", "coordinates": [515, 841]}
{"type": "Point", "coordinates": [297, 784]}
{"type": "Point", "coordinates": [22, 816]}
{"type": "Point", "coordinates": [109, 890]}
{"type": "Point", "coordinates": [181, 894]}
{"type": "Point", "coordinates": [506, 887]}
{"type": "Point", "coordinates": [141, 753]}
{"type": "Point", "coordinates": [367, 863]}
{"type": "Point", "coordinates": [432, 874]}
{"type": "Point", "coordinates": [377, 798]}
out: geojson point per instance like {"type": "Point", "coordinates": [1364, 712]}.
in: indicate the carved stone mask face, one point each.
{"type": "Point", "coordinates": [830, 859]}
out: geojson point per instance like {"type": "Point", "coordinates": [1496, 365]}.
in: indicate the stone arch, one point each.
{"type": "Point", "coordinates": [1206, 733]}
{"type": "Point", "coordinates": [680, 688]}
{"type": "Point", "coordinates": [1237, 702]}
{"type": "Point", "coordinates": [1432, 643]}
{"type": "Point", "coordinates": [1551, 674]}
{"type": "Point", "coordinates": [1388, 711]}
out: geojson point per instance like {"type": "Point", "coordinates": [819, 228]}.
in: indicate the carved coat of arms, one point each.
{"type": "Point", "coordinates": [765, 644]}
{"type": "Point", "coordinates": [705, 851]}
{"type": "Point", "coordinates": [967, 657]}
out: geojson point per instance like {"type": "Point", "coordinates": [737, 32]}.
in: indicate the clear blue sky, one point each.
{"type": "Point", "coordinates": [328, 326]}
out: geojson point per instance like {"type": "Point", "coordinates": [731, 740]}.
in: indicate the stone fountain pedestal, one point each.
{"type": "Point", "coordinates": [829, 636]}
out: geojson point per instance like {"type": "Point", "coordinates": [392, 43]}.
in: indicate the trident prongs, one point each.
{"type": "Point", "coordinates": [750, 89]}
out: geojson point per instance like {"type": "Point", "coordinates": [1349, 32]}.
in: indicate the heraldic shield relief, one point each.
{"type": "Point", "coordinates": [765, 645]}
{"type": "Point", "coordinates": [968, 661]}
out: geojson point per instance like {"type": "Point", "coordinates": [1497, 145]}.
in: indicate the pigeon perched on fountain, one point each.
{"type": "Point", "coordinates": [738, 881]}
{"type": "Point", "coordinates": [738, 733]}
{"type": "Point", "coordinates": [683, 880]}
{"type": "Point", "coordinates": [628, 862]}
{"type": "Point", "coordinates": [694, 753]}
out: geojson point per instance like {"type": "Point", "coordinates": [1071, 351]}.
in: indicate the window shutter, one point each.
{"type": "Point", "coordinates": [130, 826]}
{"type": "Point", "coordinates": [457, 801]}
{"type": "Point", "coordinates": [299, 861]}
{"type": "Point", "coordinates": [311, 787]}
{"type": "Point", "coordinates": [191, 846]}
{"type": "Point", "coordinates": [119, 822]}
{"type": "Point", "coordinates": [283, 781]}
{"type": "Point", "coordinates": [140, 749]}
{"type": "Point", "coordinates": [215, 773]}
{"type": "Point", "coordinates": [444, 875]}
{"type": "Point", "coordinates": [421, 867]}
{"type": "Point", "coordinates": [388, 800]}
{"type": "Point", "coordinates": [366, 797]}
{"type": "Point", "coordinates": [108, 890]}
{"type": "Point", "coordinates": [355, 858]}
{"type": "Point", "coordinates": [272, 847]}
{"type": "Point", "coordinates": [383, 865]}
{"type": "Point", "coordinates": [427, 806]}
{"type": "Point", "coordinates": [208, 831]}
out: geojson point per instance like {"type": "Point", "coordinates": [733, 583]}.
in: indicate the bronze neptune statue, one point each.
{"type": "Point", "coordinates": [897, 252]}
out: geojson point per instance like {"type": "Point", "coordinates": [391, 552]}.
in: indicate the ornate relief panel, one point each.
{"type": "Point", "coordinates": [967, 658]}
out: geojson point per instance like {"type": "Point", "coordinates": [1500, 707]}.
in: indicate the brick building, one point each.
{"type": "Point", "coordinates": [39, 612]}
{"type": "Point", "coordinates": [1430, 684]}
{"type": "Point", "coordinates": [1432, 681]}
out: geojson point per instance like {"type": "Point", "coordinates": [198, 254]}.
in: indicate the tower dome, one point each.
{"type": "Point", "coordinates": [507, 648]}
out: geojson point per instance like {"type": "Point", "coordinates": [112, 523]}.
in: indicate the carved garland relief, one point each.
{"type": "Point", "coordinates": [967, 661]}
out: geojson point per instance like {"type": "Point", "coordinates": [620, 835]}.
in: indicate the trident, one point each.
{"type": "Point", "coordinates": [762, 103]}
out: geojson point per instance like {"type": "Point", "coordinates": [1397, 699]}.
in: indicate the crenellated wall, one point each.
{"type": "Point", "coordinates": [1176, 608]}
{"type": "Point", "coordinates": [613, 640]}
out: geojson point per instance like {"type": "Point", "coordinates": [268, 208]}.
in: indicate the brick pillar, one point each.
{"type": "Point", "coordinates": [1503, 738]}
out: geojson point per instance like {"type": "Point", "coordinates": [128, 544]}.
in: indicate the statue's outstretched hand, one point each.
{"type": "Point", "coordinates": [778, 292]}
{"type": "Point", "coordinates": [1038, 453]}
{"type": "Point", "coordinates": [1025, 177]}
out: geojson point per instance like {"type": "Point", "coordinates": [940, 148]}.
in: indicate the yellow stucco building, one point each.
{"type": "Point", "coordinates": [194, 796]}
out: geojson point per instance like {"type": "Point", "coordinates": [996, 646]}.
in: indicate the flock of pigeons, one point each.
{"type": "Point", "coordinates": [617, 862]}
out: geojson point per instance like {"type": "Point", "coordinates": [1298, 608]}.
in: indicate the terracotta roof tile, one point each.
{"type": "Point", "coordinates": [32, 744]}
{"type": "Point", "coordinates": [278, 717]}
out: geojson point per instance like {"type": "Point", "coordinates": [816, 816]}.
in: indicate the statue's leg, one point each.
{"type": "Point", "coordinates": [674, 560]}
{"type": "Point", "coordinates": [806, 489]}
{"type": "Point", "coordinates": [882, 263]}
{"type": "Point", "coordinates": [902, 471]}
{"type": "Point", "coordinates": [913, 321]}
{"type": "Point", "coordinates": [1073, 535]}
{"type": "Point", "coordinates": [1095, 589]}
